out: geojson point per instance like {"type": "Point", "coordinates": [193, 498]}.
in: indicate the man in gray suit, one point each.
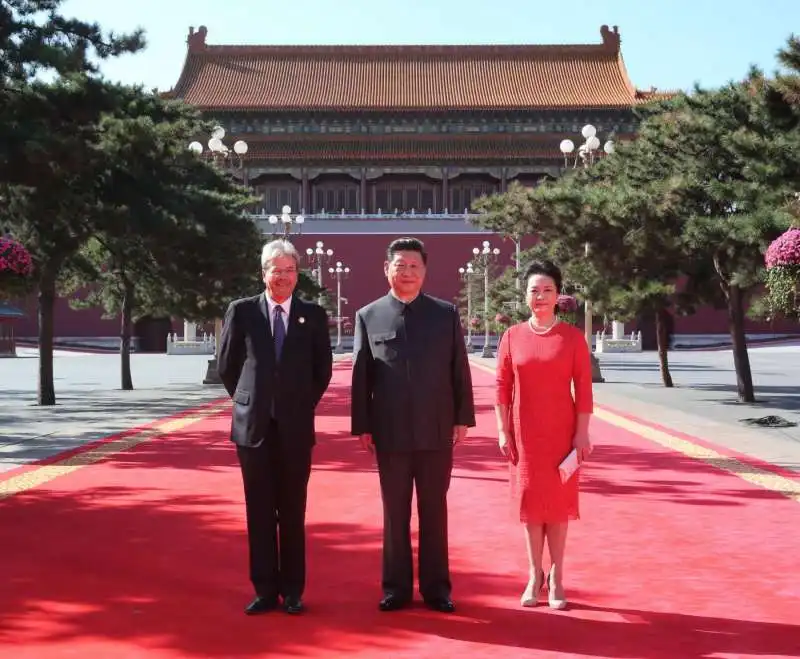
{"type": "Point", "coordinates": [411, 403]}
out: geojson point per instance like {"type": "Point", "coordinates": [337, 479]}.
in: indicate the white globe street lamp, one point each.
{"type": "Point", "coordinates": [339, 271]}
{"type": "Point", "coordinates": [484, 255]}
{"type": "Point", "coordinates": [222, 157]}
{"type": "Point", "coordinates": [285, 222]}
{"type": "Point", "coordinates": [466, 274]}
{"type": "Point", "coordinates": [587, 152]}
{"type": "Point", "coordinates": [318, 256]}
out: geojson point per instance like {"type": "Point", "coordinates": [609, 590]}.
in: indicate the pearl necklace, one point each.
{"type": "Point", "coordinates": [541, 331]}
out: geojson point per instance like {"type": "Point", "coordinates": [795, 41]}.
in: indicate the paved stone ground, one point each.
{"type": "Point", "coordinates": [89, 402]}
{"type": "Point", "coordinates": [703, 402]}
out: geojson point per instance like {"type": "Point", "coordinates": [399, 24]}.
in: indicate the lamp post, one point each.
{"type": "Point", "coordinates": [319, 255]}
{"type": "Point", "coordinates": [339, 271]}
{"type": "Point", "coordinates": [484, 255]}
{"type": "Point", "coordinates": [228, 159]}
{"type": "Point", "coordinates": [586, 154]}
{"type": "Point", "coordinates": [466, 274]}
{"type": "Point", "coordinates": [222, 156]}
{"type": "Point", "coordinates": [286, 222]}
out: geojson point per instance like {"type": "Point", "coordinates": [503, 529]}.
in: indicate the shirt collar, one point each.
{"type": "Point", "coordinates": [399, 304]}
{"type": "Point", "coordinates": [286, 305]}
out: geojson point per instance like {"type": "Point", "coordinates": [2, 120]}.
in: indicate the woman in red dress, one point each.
{"type": "Point", "coordinates": [539, 422]}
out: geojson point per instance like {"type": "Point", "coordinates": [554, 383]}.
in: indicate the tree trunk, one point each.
{"type": "Point", "coordinates": [741, 359]}
{"type": "Point", "coordinates": [125, 337]}
{"type": "Point", "coordinates": [46, 393]}
{"type": "Point", "coordinates": [662, 337]}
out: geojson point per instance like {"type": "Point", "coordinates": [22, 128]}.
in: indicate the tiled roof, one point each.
{"type": "Point", "coordinates": [402, 149]}
{"type": "Point", "coordinates": [296, 78]}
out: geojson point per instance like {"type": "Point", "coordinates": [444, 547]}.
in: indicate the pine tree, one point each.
{"type": "Point", "coordinates": [49, 141]}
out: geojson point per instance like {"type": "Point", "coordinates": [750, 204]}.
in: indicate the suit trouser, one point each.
{"type": "Point", "coordinates": [399, 472]}
{"type": "Point", "coordinates": [275, 476]}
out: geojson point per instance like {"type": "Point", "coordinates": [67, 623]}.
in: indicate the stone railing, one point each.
{"type": "Point", "coordinates": [379, 215]}
{"type": "Point", "coordinates": [190, 343]}
{"type": "Point", "coordinates": [618, 342]}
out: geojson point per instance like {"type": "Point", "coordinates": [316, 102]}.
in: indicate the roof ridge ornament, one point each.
{"type": "Point", "coordinates": [611, 37]}
{"type": "Point", "coordinates": [197, 40]}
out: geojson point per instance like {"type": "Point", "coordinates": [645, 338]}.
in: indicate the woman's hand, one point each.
{"type": "Point", "coordinates": [507, 446]}
{"type": "Point", "coordinates": [582, 445]}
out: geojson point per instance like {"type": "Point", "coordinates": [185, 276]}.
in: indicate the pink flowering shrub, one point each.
{"type": "Point", "coordinates": [784, 250]}
{"type": "Point", "coordinates": [567, 309]}
{"type": "Point", "coordinates": [16, 268]}
{"type": "Point", "coordinates": [783, 273]}
{"type": "Point", "coordinates": [567, 304]}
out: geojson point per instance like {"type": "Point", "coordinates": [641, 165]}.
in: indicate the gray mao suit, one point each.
{"type": "Point", "coordinates": [411, 385]}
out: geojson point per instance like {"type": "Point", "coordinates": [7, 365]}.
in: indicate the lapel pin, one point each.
{"type": "Point", "coordinates": [301, 320]}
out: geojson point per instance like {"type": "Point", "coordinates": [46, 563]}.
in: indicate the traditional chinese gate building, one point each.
{"type": "Point", "coordinates": [375, 142]}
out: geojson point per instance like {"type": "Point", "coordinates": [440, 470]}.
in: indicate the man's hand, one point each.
{"type": "Point", "coordinates": [366, 442]}
{"type": "Point", "coordinates": [507, 446]}
{"type": "Point", "coordinates": [582, 445]}
{"type": "Point", "coordinates": [459, 433]}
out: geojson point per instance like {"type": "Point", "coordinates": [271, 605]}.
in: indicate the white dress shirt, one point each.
{"type": "Point", "coordinates": [286, 305]}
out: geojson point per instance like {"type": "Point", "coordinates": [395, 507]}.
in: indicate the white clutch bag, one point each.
{"type": "Point", "coordinates": [568, 466]}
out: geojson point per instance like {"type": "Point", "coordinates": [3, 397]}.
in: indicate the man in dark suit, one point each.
{"type": "Point", "coordinates": [275, 360]}
{"type": "Point", "coordinates": [411, 403]}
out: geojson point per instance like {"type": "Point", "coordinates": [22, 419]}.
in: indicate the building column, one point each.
{"type": "Point", "coordinates": [445, 202]}
{"type": "Point", "coordinates": [305, 204]}
{"type": "Point", "coordinates": [503, 180]}
{"type": "Point", "coordinates": [363, 191]}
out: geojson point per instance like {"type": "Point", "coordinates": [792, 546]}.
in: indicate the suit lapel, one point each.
{"type": "Point", "coordinates": [296, 312]}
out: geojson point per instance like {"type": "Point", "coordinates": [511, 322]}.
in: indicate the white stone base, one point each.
{"type": "Point", "coordinates": [180, 346]}
{"type": "Point", "coordinates": [606, 344]}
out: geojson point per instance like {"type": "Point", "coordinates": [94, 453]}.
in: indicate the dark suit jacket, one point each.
{"type": "Point", "coordinates": [255, 381]}
{"type": "Point", "coordinates": [411, 378]}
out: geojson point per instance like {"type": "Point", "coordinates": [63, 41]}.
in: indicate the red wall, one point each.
{"type": "Point", "coordinates": [365, 254]}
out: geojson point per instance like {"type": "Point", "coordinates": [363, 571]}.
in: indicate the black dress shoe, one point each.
{"type": "Point", "coordinates": [393, 603]}
{"type": "Point", "coordinates": [441, 604]}
{"type": "Point", "coordinates": [260, 605]}
{"type": "Point", "coordinates": [293, 605]}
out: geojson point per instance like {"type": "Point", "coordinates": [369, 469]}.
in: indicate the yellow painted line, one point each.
{"type": "Point", "coordinates": [730, 464]}
{"type": "Point", "coordinates": [747, 472]}
{"type": "Point", "coordinates": [46, 473]}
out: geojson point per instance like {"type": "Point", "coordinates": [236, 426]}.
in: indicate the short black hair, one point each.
{"type": "Point", "coordinates": [407, 245]}
{"type": "Point", "coordinates": [546, 268]}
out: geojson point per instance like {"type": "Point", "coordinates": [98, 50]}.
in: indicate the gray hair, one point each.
{"type": "Point", "coordinates": [277, 248]}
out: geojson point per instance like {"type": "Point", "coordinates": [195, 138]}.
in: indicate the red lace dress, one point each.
{"type": "Point", "coordinates": [535, 376]}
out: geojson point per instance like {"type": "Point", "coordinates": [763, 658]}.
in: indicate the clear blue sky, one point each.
{"type": "Point", "coordinates": [670, 44]}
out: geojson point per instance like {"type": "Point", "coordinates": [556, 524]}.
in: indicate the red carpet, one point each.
{"type": "Point", "coordinates": [144, 555]}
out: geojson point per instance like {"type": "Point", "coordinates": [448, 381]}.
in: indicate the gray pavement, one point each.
{"type": "Point", "coordinates": [703, 402]}
{"type": "Point", "coordinates": [89, 402]}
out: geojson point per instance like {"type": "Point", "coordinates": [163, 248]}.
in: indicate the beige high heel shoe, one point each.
{"type": "Point", "coordinates": [530, 597]}
{"type": "Point", "coordinates": [558, 603]}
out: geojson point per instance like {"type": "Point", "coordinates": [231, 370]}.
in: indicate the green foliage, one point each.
{"type": "Point", "coordinates": [681, 216]}
{"type": "Point", "coordinates": [783, 282]}
{"type": "Point", "coordinates": [35, 37]}
{"type": "Point", "coordinates": [167, 227]}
